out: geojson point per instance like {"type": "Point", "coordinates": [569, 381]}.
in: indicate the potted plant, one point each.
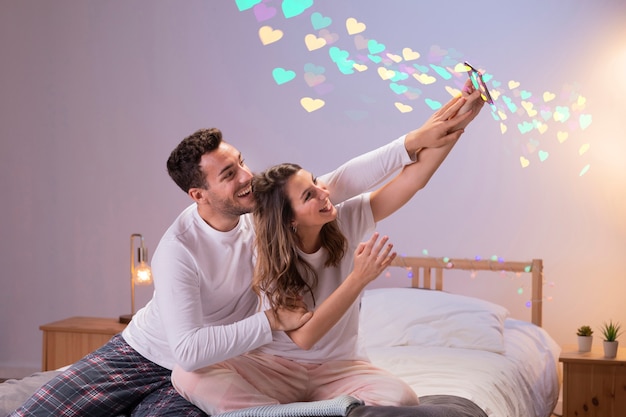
{"type": "Point", "coordinates": [585, 338]}
{"type": "Point", "coordinates": [610, 332]}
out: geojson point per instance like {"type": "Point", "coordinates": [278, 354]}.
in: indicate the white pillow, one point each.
{"type": "Point", "coordinates": [418, 317]}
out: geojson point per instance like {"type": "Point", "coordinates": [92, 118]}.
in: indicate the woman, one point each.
{"type": "Point", "coordinates": [306, 255]}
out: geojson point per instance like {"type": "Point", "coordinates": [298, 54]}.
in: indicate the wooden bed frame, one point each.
{"type": "Point", "coordinates": [423, 267]}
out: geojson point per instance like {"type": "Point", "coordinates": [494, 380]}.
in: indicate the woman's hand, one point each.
{"type": "Point", "coordinates": [371, 258]}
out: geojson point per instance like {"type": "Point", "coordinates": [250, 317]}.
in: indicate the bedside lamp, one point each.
{"type": "Point", "coordinates": [140, 273]}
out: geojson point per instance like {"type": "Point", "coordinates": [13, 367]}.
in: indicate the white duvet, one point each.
{"type": "Point", "coordinates": [522, 382]}
{"type": "Point", "coordinates": [446, 344]}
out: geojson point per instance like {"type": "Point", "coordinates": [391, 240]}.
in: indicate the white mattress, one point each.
{"type": "Point", "coordinates": [522, 381]}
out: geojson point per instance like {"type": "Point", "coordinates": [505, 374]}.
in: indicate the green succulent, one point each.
{"type": "Point", "coordinates": [611, 331]}
{"type": "Point", "coordinates": [584, 331]}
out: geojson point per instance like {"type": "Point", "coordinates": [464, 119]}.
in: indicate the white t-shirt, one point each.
{"type": "Point", "coordinates": [340, 343]}
{"type": "Point", "coordinates": [203, 310]}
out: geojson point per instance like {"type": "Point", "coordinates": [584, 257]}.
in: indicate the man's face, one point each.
{"type": "Point", "coordinates": [229, 193]}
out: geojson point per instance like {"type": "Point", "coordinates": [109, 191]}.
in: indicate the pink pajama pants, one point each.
{"type": "Point", "coordinates": [257, 379]}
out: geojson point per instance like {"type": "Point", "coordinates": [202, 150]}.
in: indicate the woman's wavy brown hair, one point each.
{"type": "Point", "coordinates": [279, 271]}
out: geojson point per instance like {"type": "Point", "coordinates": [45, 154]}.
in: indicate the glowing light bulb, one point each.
{"type": "Point", "coordinates": [143, 274]}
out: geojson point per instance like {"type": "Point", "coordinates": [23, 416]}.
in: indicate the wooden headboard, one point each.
{"type": "Point", "coordinates": [423, 267]}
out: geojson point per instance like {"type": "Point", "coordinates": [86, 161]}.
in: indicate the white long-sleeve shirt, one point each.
{"type": "Point", "coordinates": [203, 310]}
{"type": "Point", "coordinates": [356, 221]}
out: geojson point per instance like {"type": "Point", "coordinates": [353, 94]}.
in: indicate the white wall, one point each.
{"type": "Point", "coordinates": [96, 94]}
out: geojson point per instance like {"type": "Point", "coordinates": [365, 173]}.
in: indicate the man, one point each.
{"type": "Point", "coordinates": [203, 310]}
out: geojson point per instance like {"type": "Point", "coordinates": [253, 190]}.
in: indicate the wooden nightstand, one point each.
{"type": "Point", "coordinates": [593, 386]}
{"type": "Point", "coordinates": [66, 341]}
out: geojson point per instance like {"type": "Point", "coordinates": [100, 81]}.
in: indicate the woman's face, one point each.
{"type": "Point", "coordinates": [310, 202]}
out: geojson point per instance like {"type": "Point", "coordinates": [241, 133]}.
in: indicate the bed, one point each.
{"type": "Point", "coordinates": [463, 356]}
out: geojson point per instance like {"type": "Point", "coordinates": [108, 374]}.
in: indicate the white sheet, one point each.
{"type": "Point", "coordinates": [523, 381]}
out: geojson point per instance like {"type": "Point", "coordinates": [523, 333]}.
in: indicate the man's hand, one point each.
{"type": "Point", "coordinates": [474, 103]}
{"type": "Point", "coordinates": [441, 128]}
{"type": "Point", "coordinates": [283, 319]}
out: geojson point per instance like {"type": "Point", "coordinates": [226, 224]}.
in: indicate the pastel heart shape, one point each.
{"type": "Point", "coordinates": [360, 67]}
{"type": "Point", "coordinates": [585, 121]}
{"type": "Point", "coordinates": [263, 12]}
{"type": "Point", "coordinates": [548, 96]}
{"type": "Point", "coordinates": [314, 68]}
{"type": "Point", "coordinates": [313, 79]}
{"type": "Point", "coordinates": [246, 4]}
{"type": "Point", "coordinates": [525, 127]}
{"type": "Point", "coordinates": [374, 47]}
{"type": "Point", "coordinates": [408, 54]}
{"type": "Point", "coordinates": [584, 148]}
{"type": "Point", "coordinates": [394, 58]}
{"type": "Point", "coordinates": [461, 68]}
{"type": "Point", "coordinates": [543, 155]}
{"type": "Point", "coordinates": [400, 76]}
{"type": "Point", "coordinates": [526, 95]}
{"type": "Point", "coordinates": [562, 136]}
{"type": "Point", "coordinates": [268, 35]}
{"type": "Point", "coordinates": [319, 21]}
{"type": "Point", "coordinates": [398, 88]}
{"type": "Point", "coordinates": [404, 108]}
{"type": "Point", "coordinates": [528, 106]}
{"type": "Point", "coordinates": [312, 42]}
{"type": "Point", "coordinates": [433, 104]}
{"type": "Point", "coordinates": [513, 84]}
{"type": "Point", "coordinates": [561, 114]}
{"type": "Point", "coordinates": [353, 26]}
{"type": "Point", "coordinates": [330, 37]}
{"type": "Point", "coordinates": [292, 8]}
{"type": "Point", "coordinates": [311, 104]}
{"type": "Point", "coordinates": [375, 58]}
{"type": "Point", "coordinates": [525, 162]}
{"type": "Point", "coordinates": [337, 54]}
{"type": "Point", "coordinates": [385, 73]}
{"type": "Point", "coordinates": [503, 128]}
{"type": "Point", "coordinates": [454, 92]}
{"type": "Point", "coordinates": [502, 115]}
{"type": "Point", "coordinates": [424, 78]}
{"type": "Point", "coordinates": [360, 42]}
{"type": "Point", "coordinates": [443, 73]}
{"type": "Point", "coordinates": [282, 76]}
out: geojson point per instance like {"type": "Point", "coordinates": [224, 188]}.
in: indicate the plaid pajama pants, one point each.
{"type": "Point", "coordinates": [112, 381]}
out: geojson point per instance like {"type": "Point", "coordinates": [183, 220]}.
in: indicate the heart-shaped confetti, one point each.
{"type": "Point", "coordinates": [269, 35]}
{"type": "Point", "coordinates": [246, 4]}
{"type": "Point", "coordinates": [409, 55]}
{"type": "Point", "coordinates": [311, 104]}
{"type": "Point", "coordinates": [312, 42]}
{"type": "Point", "coordinates": [282, 76]}
{"type": "Point", "coordinates": [404, 108]}
{"type": "Point", "coordinates": [319, 21]}
{"type": "Point", "coordinates": [424, 78]}
{"type": "Point", "coordinates": [292, 8]}
{"type": "Point", "coordinates": [354, 26]}
{"type": "Point", "coordinates": [513, 85]}
{"type": "Point", "coordinates": [525, 162]}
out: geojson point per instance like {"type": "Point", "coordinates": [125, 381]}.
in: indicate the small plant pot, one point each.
{"type": "Point", "coordinates": [584, 343]}
{"type": "Point", "coordinates": [610, 348]}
